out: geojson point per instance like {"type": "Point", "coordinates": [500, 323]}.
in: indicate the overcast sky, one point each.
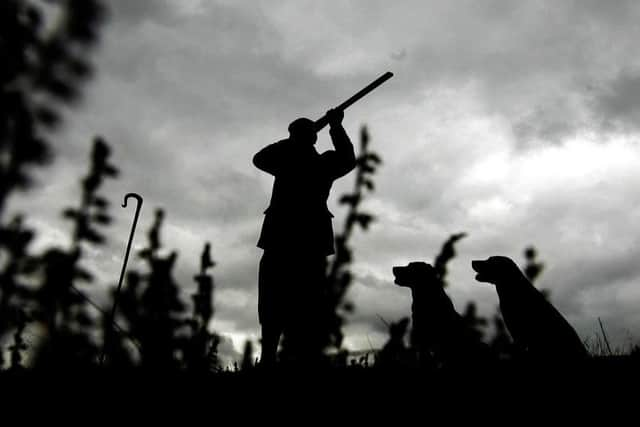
{"type": "Point", "coordinates": [517, 122]}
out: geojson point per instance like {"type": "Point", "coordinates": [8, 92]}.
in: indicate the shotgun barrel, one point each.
{"type": "Point", "coordinates": [324, 120]}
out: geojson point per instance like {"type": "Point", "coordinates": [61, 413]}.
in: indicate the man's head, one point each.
{"type": "Point", "coordinates": [303, 130]}
{"type": "Point", "coordinates": [497, 270]}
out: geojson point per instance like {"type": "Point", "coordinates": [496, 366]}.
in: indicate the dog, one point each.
{"type": "Point", "coordinates": [439, 332]}
{"type": "Point", "coordinates": [537, 328]}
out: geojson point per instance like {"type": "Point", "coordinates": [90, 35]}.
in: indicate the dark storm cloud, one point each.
{"type": "Point", "coordinates": [218, 66]}
{"type": "Point", "coordinates": [535, 63]}
{"type": "Point", "coordinates": [136, 12]}
{"type": "Point", "coordinates": [617, 104]}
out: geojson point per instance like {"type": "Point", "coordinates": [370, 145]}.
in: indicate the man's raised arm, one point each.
{"type": "Point", "coordinates": [344, 157]}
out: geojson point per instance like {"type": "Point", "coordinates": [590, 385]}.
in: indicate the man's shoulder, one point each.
{"type": "Point", "coordinates": [280, 143]}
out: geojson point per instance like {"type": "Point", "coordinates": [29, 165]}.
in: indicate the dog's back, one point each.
{"type": "Point", "coordinates": [533, 322]}
{"type": "Point", "coordinates": [536, 324]}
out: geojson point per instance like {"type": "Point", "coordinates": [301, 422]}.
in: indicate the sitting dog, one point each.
{"type": "Point", "coordinates": [534, 324]}
{"type": "Point", "coordinates": [438, 330]}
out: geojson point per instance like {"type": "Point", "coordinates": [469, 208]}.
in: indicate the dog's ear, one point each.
{"type": "Point", "coordinates": [423, 269]}
{"type": "Point", "coordinates": [420, 265]}
{"type": "Point", "coordinates": [504, 264]}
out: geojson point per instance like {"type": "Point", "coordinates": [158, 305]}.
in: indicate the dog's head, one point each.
{"type": "Point", "coordinates": [414, 274]}
{"type": "Point", "coordinates": [497, 270]}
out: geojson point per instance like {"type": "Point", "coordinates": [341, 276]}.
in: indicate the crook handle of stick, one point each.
{"type": "Point", "coordinates": [133, 230]}
{"type": "Point", "coordinates": [126, 258]}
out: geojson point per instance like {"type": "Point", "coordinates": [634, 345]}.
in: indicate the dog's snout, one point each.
{"type": "Point", "coordinates": [476, 265]}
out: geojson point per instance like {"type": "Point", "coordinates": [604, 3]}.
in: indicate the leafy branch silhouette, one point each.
{"type": "Point", "coordinates": [339, 276]}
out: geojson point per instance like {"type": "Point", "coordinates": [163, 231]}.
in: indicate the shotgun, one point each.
{"type": "Point", "coordinates": [324, 120]}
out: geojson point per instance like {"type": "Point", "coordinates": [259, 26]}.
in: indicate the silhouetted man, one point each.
{"type": "Point", "coordinates": [297, 235]}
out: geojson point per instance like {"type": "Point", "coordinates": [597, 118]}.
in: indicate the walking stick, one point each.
{"type": "Point", "coordinates": [124, 267]}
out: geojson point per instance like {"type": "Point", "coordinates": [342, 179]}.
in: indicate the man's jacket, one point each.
{"type": "Point", "coordinates": [297, 218]}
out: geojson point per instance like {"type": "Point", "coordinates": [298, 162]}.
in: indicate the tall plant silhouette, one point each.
{"type": "Point", "coordinates": [339, 276]}
{"type": "Point", "coordinates": [157, 316]}
{"type": "Point", "coordinates": [201, 346]}
{"type": "Point", "coordinates": [533, 268]}
{"type": "Point", "coordinates": [395, 352]}
{"type": "Point", "coordinates": [19, 346]}
{"type": "Point", "coordinates": [159, 334]}
{"type": "Point", "coordinates": [62, 308]}
{"type": "Point", "coordinates": [14, 290]}
{"type": "Point", "coordinates": [44, 67]}
{"type": "Point", "coordinates": [475, 322]}
{"type": "Point", "coordinates": [446, 254]}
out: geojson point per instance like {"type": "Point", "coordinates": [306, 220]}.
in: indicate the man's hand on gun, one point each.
{"type": "Point", "coordinates": [335, 117]}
